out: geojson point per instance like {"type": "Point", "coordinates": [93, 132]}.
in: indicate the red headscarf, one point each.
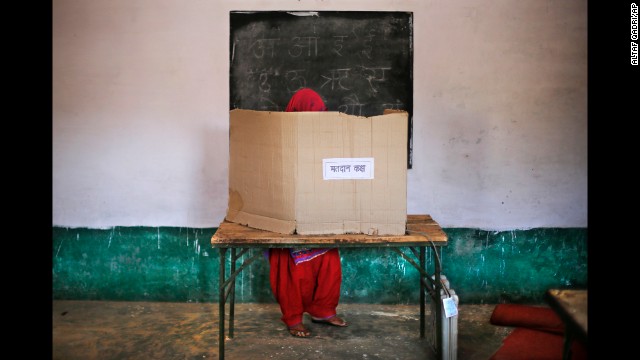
{"type": "Point", "coordinates": [306, 99]}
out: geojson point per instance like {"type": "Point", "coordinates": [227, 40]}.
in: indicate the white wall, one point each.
{"type": "Point", "coordinates": [140, 111]}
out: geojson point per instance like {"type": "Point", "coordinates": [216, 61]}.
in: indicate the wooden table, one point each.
{"type": "Point", "coordinates": [571, 306]}
{"type": "Point", "coordinates": [422, 232]}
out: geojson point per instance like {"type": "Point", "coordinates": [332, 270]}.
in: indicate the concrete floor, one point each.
{"type": "Point", "coordinates": [154, 330]}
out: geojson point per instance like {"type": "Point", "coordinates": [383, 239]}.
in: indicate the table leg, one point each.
{"type": "Point", "coordinates": [221, 304]}
{"type": "Point", "coordinates": [232, 295]}
{"type": "Point", "coordinates": [566, 350]}
{"type": "Point", "coordinates": [438, 305]}
{"type": "Point", "coordinates": [422, 293]}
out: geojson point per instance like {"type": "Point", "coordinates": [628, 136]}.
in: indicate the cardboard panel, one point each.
{"type": "Point", "coordinates": [276, 172]}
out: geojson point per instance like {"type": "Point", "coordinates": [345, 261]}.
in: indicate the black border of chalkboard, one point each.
{"type": "Point", "coordinates": [241, 19]}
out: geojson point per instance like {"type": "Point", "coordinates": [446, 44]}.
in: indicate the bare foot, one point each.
{"type": "Point", "coordinates": [334, 320]}
{"type": "Point", "coordinates": [299, 330]}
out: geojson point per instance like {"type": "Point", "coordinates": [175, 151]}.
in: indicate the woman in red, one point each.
{"type": "Point", "coordinates": [306, 280]}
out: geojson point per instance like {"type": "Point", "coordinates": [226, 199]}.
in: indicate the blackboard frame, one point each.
{"type": "Point", "coordinates": [361, 62]}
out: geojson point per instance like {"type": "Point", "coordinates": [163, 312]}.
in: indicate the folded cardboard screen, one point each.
{"type": "Point", "coordinates": [318, 172]}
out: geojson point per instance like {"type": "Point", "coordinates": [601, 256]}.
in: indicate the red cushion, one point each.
{"type": "Point", "coordinates": [530, 344]}
{"type": "Point", "coordinates": [527, 316]}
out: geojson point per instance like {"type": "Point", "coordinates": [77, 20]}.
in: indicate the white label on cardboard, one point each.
{"type": "Point", "coordinates": [347, 169]}
{"type": "Point", "coordinates": [450, 308]}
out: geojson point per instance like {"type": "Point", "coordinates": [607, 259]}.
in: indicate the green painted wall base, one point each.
{"type": "Point", "coordinates": [179, 265]}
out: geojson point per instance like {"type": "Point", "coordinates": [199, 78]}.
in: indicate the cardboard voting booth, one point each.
{"type": "Point", "coordinates": [318, 172]}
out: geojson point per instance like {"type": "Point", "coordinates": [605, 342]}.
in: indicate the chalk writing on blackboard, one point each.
{"type": "Point", "coordinates": [360, 62]}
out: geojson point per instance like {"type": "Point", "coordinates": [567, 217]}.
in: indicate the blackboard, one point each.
{"type": "Point", "coordinates": [360, 62]}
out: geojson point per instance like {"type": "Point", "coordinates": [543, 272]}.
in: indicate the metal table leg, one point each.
{"type": "Point", "coordinates": [227, 290]}
{"type": "Point", "coordinates": [232, 296]}
{"type": "Point", "coordinates": [438, 305]}
{"type": "Point", "coordinates": [221, 304]}
{"type": "Point", "coordinates": [422, 293]}
{"type": "Point", "coordinates": [425, 281]}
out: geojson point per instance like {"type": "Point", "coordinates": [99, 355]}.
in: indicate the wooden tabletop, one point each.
{"type": "Point", "coordinates": [571, 306]}
{"type": "Point", "coordinates": [422, 230]}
